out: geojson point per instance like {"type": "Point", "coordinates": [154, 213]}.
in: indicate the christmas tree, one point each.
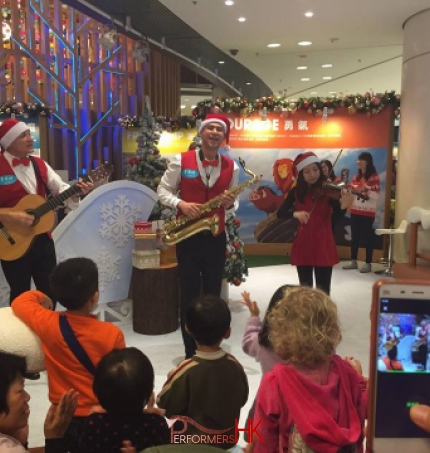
{"type": "Point", "coordinates": [147, 167]}
{"type": "Point", "coordinates": [235, 268]}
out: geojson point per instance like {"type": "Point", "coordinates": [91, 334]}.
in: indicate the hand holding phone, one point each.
{"type": "Point", "coordinates": [420, 415]}
{"type": "Point", "coordinates": [399, 366]}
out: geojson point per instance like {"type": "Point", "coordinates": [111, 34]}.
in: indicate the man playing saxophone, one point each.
{"type": "Point", "coordinates": [191, 179]}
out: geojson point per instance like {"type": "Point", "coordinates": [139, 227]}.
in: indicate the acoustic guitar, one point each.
{"type": "Point", "coordinates": [15, 241]}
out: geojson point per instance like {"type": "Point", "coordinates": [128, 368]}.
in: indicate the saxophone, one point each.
{"type": "Point", "coordinates": [183, 227]}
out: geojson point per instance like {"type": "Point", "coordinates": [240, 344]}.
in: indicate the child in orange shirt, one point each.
{"type": "Point", "coordinates": [74, 283]}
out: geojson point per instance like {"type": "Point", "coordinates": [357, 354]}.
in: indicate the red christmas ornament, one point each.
{"type": "Point", "coordinates": [236, 245]}
{"type": "Point", "coordinates": [237, 281]}
{"type": "Point", "coordinates": [133, 161]}
{"type": "Point", "coordinates": [227, 254]}
{"type": "Point", "coordinates": [236, 222]}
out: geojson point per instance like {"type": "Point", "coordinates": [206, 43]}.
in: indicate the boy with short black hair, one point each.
{"type": "Point", "coordinates": [211, 387]}
{"type": "Point", "coordinates": [74, 284]}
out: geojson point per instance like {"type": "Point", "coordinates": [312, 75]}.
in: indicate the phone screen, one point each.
{"type": "Point", "coordinates": [403, 366]}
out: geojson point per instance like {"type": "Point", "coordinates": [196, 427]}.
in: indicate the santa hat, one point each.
{"type": "Point", "coordinates": [220, 119]}
{"type": "Point", "coordinates": [302, 160]}
{"type": "Point", "coordinates": [10, 130]}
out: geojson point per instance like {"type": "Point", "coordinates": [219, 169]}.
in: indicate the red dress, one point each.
{"type": "Point", "coordinates": [314, 243]}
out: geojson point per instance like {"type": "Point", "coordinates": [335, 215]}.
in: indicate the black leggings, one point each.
{"type": "Point", "coordinates": [362, 228]}
{"type": "Point", "coordinates": [322, 277]}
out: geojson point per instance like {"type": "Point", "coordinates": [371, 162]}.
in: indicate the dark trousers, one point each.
{"type": "Point", "coordinates": [201, 261]}
{"type": "Point", "coordinates": [322, 277]}
{"type": "Point", "coordinates": [38, 263]}
{"type": "Point", "coordinates": [362, 229]}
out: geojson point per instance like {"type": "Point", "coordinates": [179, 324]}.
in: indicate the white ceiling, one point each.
{"type": "Point", "coordinates": [362, 39]}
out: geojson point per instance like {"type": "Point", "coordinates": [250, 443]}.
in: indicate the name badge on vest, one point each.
{"type": "Point", "coordinates": [189, 173]}
{"type": "Point", "coordinates": [6, 180]}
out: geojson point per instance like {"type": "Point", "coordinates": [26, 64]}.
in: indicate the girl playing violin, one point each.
{"type": "Point", "coordinates": [314, 249]}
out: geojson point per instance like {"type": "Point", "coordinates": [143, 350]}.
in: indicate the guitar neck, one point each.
{"type": "Point", "coordinates": [54, 202]}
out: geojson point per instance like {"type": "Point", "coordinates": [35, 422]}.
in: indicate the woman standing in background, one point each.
{"type": "Point", "coordinates": [366, 182]}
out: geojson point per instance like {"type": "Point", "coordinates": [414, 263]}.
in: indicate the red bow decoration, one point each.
{"type": "Point", "coordinates": [25, 161]}
{"type": "Point", "coordinates": [210, 163]}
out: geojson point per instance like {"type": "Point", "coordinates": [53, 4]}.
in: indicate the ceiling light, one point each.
{"type": "Point", "coordinates": [313, 92]}
{"type": "Point", "coordinates": [327, 78]}
{"type": "Point", "coordinates": [300, 68]}
{"type": "Point", "coordinates": [186, 99]}
{"type": "Point", "coordinates": [221, 62]}
{"type": "Point", "coordinates": [304, 43]}
{"type": "Point", "coordinates": [273, 44]}
{"type": "Point", "coordinates": [241, 19]}
{"type": "Point", "coordinates": [229, 2]}
{"type": "Point", "coordinates": [248, 83]}
{"type": "Point", "coordinates": [309, 14]}
{"type": "Point", "coordinates": [327, 66]}
{"type": "Point", "coordinates": [193, 106]}
{"type": "Point", "coordinates": [332, 92]}
{"type": "Point", "coordinates": [305, 79]}
{"type": "Point", "coordinates": [183, 106]}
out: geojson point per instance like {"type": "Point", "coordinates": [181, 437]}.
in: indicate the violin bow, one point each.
{"type": "Point", "coordinates": [337, 158]}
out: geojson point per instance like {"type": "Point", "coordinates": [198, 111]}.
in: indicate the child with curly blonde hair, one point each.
{"type": "Point", "coordinates": [316, 401]}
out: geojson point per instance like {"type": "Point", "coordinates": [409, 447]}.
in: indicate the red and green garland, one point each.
{"type": "Point", "coordinates": [369, 103]}
{"type": "Point", "coordinates": [25, 109]}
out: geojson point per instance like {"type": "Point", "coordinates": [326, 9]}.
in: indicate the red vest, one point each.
{"type": "Point", "coordinates": [11, 190]}
{"type": "Point", "coordinates": [192, 188]}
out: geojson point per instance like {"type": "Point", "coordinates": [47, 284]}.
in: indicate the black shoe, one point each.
{"type": "Point", "coordinates": [32, 376]}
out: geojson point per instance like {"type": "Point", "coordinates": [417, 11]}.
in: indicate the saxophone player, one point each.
{"type": "Point", "coordinates": [191, 179]}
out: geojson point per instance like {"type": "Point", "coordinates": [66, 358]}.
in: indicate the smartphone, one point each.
{"type": "Point", "coordinates": [399, 369]}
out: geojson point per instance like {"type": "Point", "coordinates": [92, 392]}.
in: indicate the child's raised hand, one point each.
{"type": "Point", "coordinates": [59, 416]}
{"type": "Point", "coordinates": [252, 305]}
{"type": "Point", "coordinates": [356, 364]}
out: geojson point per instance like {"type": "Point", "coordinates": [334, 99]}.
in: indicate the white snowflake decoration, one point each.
{"type": "Point", "coordinates": [107, 264]}
{"type": "Point", "coordinates": [119, 220]}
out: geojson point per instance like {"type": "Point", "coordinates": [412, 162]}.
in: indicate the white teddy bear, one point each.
{"type": "Point", "coordinates": [17, 338]}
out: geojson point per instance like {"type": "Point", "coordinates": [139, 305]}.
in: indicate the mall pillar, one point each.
{"type": "Point", "coordinates": [413, 167]}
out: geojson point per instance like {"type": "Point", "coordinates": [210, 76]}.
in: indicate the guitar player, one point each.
{"type": "Point", "coordinates": [21, 176]}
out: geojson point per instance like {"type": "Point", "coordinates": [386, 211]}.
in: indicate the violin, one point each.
{"type": "Point", "coordinates": [334, 191]}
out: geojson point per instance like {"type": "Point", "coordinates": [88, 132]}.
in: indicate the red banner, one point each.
{"type": "Point", "coordinates": [301, 130]}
